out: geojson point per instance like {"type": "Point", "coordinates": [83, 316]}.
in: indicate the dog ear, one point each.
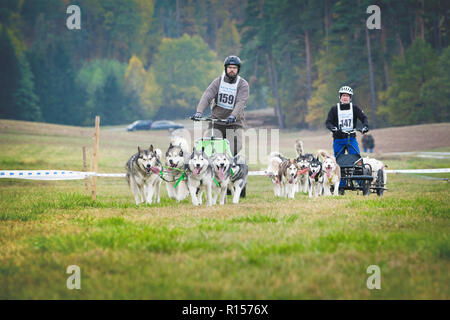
{"type": "Point", "coordinates": [170, 145]}
{"type": "Point", "coordinates": [151, 148]}
{"type": "Point", "coordinates": [139, 149]}
{"type": "Point", "coordinates": [203, 149]}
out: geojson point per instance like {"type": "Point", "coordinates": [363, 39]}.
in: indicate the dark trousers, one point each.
{"type": "Point", "coordinates": [232, 133]}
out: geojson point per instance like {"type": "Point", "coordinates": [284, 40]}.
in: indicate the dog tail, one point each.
{"type": "Point", "coordinates": [276, 154]}
{"type": "Point", "coordinates": [180, 142]}
{"type": "Point", "coordinates": [299, 147]}
{"type": "Point", "coordinates": [323, 153]}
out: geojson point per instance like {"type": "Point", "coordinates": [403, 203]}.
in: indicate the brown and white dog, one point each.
{"type": "Point", "coordinates": [332, 173]}
{"type": "Point", "coordinates": [287, 175]}
{"type": "Point", "coordinates": [275, 160]}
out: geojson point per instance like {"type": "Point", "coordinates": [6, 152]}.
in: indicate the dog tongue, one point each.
{"type": "Point", "coordinates": [197, 171]}
{"type": "Point", "coordinates": [291, 179]}
{"type": "Point", "coordinates": [221, 173]}
{"type": "Point", "coordinates": [313, 175]}
{"type": "Point", "coordinates": [155, 170]}
{"type": "Point", "coordinates": [328, 172]}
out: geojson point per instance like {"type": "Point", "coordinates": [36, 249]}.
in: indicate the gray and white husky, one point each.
{"type": "Point", "coordinates": [199, 177]}
{"type": "Point", "coordinates": [176, 158]}
{"type": "Point", "coordinates": [239, 176]}
{"type": "Point", "coordinates": [142, 175]}
{"type": "Point", "coordinates": [303, 163]}
{"type": "Point", "coordinates": [221, 164]}
{"type": "Point", "coordinates": [303, 160]}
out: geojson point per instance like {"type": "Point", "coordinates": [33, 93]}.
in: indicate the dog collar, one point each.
{"type": "Point", "coordinates": [303, 171]}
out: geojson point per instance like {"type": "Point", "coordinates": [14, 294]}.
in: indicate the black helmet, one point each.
{"type": "Point", "coordinates": [232, 60]}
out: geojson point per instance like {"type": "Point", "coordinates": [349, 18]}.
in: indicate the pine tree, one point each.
{"type": "Point", "coordinates": [25, 100]}
{"type": "Point", "coordinates": [9, 76]}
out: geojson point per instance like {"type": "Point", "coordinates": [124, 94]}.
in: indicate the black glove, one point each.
{"type": "Point", "coordinates": [334, 129]}
{"type": "Point", "coordinates": [231, 119]}
{"type": "Point", "coordinates": [197, 116]}
{"type": "Point", "coordinates": [365, 129]}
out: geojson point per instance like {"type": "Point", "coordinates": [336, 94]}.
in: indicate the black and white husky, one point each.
{"type": "Point", "coordinates": [176, 158]}
{"type": "Point", "coordinates": [315, 178]}
{"type": "Point", "coordinates": [303, 160]}
{"type": "Point", "coordinates": [142, 175]}
{"type": "Point", "coordinates": [239, 169]}
{"type": "Point", "coordinates": [221, 164]}
{"type": "Point", "coordinates": [199, 177]}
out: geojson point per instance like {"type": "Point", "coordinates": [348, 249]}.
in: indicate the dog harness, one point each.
{"type": "Point", "coordinates": [217, 183]}
{"type": "Point", "coordinates": [331, 178]}
{"type": "Point", "coordinates": [182, 177]}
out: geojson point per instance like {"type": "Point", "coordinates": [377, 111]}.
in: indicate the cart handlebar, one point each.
{"type": "Point", "coordinates": [350, 131]}
{"type": "Point", "coordinates": [208, 119]}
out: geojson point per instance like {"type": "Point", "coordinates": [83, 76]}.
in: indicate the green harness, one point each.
{"type": "Point", "coordinates": [183, 175]}
{"type": "Point", "coordinates": [217, 183]}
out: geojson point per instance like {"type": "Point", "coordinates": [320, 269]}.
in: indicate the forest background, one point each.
{"type": "Point", "coordinates": [153, 59]}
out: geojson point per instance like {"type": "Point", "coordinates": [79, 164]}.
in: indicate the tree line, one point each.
{"type": "Point", "coordinates": [154, 58]}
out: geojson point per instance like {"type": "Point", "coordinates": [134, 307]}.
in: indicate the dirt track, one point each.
{"type": "Point", "coordinates": [395, 139]}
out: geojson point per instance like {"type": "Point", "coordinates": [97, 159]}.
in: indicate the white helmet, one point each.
{"type": "Point", "coordinates": [346, 89]}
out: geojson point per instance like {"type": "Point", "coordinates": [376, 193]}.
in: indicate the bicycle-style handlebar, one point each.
{"type": "Point", "coordinates": [350, 132]}
{"type": "Point", "coordinates": [209, 119]}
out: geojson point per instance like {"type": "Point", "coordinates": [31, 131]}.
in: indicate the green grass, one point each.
{"type": "Point", "coordinates": [263, 248]}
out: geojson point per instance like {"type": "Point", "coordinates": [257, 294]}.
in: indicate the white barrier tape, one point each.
{"type": "Point", "coordinates": [256, 173]}
{"type": "Point", "coordinates": [443, 170]}
{"type": "Point", "coordinates": [43, 174]}
{"type": "Point", "coordinates": [76, 175]}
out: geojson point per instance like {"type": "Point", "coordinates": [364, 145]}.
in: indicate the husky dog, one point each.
{"type": "Point", "coordinates": [303, 165]}
{"type": "Point", "coordinates": [376, 165]}
{"type": "Point", "coordinates": [239, 176]}
{"type": "Point", "coordinates": [315, 178]}
{"type": "Point", "coordinates": [299, 147]}
{"type": "Point", "coordinates": [142, 175]}
{"type": "Point", "coordinates": [332, 173]}
{"type": "Point", "coordinates": [199, 177]}
{"type": "Point", "coordinates": [287, 175]}
{"type": "Point", "coordinates": [221, 164]}
{"type": "Point", "coordinates": [174, 175]}
{"type": "Point", "coordinates": [272, 172]}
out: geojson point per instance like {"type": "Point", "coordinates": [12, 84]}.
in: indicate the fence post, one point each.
{"type": "Point", "coordinates": [86, 180]}
{"type": "Point", "coordinates": [95, 156]}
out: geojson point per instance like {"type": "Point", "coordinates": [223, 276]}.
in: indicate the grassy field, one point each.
{"type": "Point", "coordinates": [263, 248]}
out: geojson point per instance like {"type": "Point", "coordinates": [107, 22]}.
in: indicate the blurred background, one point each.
{"type": "Point", "coordinates": [152, 59]}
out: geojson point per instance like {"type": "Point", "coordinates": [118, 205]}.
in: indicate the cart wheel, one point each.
{"type": "Point", "coordinates": [380, 182]}
{"type": "Point", "coordinates": [366, 183]}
